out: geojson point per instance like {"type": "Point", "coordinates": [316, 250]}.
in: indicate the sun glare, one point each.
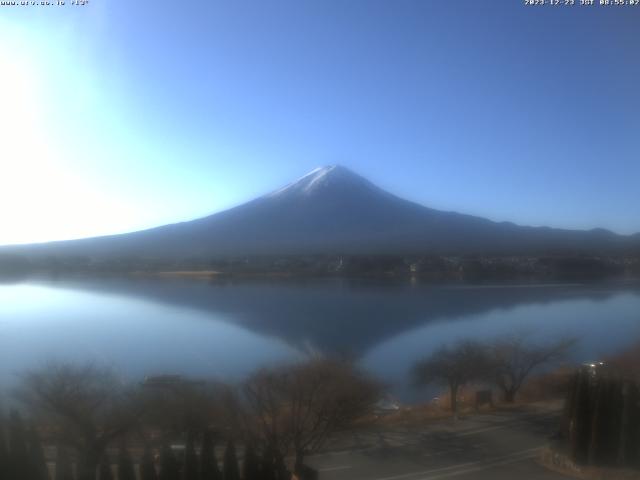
{"type": "Point", "coordinates": [41, 197]}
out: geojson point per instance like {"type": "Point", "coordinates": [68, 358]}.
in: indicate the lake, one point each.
{"type": "Point", "coordinates": [225, 330]}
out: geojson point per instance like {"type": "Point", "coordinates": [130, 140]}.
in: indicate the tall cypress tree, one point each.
{"type": "Point", "coordinates": [64, 470]}
{"type": "Point", "coordinates": [39, 470]}
{"type": "Point", "coordinates": [169, 469]}
{"type": "Point", "coordinates": [230, 465]}
{"type": "Point", "coordinates": [581, 434]}
{"type": "Point", "coordinates": [190, 463]}
{"type": "Point", "coordinates": [105, 472]}
{"type": "Point", "coordinates": [147, 467]}
{"type": "Point", "coordinates": [4, 453]}
{"type": "Point", "coordinates": [282, 473]}
{"type": "Point", "coordinates": [19, 461]}
{"type": "Point", "coordinates": [267, 467]}
{"type": "Point", "coordinates": [125, 465]}
{"type": "Point", "coordinates": [209, 469]}
{"type": "Point", "coordinates": [251, 464]}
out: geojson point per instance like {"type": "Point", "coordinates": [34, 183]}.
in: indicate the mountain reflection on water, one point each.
{"type": "Point", "coordinates": [227, 329]}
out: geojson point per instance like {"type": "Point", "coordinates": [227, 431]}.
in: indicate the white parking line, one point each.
{"type": "Point", "coordinates": [481, 430]}
{"type": "Point", "coordinates": [505, 424]}
{"type": "Point", "coordinates": [342, 452]}
{"type": "Point", "coordinates": [443, 452]}
{"type": "Point", "coordinates": [333, 469]}
{"type": "Point", "coordinates": [482, 467]}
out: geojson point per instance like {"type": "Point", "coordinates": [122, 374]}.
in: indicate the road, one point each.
{"type": "Point", "coordinates": [500, 445]}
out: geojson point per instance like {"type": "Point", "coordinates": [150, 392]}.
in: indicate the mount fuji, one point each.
{"type": "Point", "coordinates": [332, 210]}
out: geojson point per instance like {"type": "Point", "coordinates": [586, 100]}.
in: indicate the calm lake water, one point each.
{"type": "Point", "coordinates": [226, 330]}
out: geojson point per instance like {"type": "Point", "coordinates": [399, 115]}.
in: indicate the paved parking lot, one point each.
{"type": "Point", "coordinates": [496, 446]}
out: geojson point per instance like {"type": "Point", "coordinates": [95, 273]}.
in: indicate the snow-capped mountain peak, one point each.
{"type": "Point", "coordinates": [324, 178]}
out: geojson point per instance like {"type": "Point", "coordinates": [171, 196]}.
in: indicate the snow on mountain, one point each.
{"type": "Point", "coordinates": [325, 178]}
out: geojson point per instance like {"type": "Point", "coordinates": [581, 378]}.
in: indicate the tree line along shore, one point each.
{"type": "Point", "coordinates": [429, 267]}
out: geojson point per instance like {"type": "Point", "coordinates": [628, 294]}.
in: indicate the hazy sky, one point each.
{"type": "Point", "coordinates": [121, 115]}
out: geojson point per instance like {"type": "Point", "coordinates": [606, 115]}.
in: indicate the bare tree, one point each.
{"type": "Point", "coordinates": [514, 357]}
{"type": "Point", "coordinates": [298, 407]}
{"type": "Point", "coordinates": [86, 405]}
{"type": "Point", "coordinates": [184, 407]}
{"type": "Point", "coordinates": [453, 367]}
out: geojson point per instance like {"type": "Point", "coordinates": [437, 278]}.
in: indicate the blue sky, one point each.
{"type": "Point", "coordinates": [119, 115]}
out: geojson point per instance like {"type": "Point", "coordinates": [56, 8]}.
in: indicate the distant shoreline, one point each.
{"type": "Point", "coordinates": [423, 268]}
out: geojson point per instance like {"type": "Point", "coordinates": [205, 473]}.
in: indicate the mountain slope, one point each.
{"type": "Point", "coordinates": [333, 210]}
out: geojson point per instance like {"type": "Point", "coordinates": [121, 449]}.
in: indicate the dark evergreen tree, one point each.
{"type": "Point", "coordinates": [603, 418]}
{"type": "Point", "coordinates": [281, 471]}
{"type": "Point", "coordinates": [251, 464]}
{"type": "Point", "coordinates": [19, 461]}
{"type": "Point", "coordinates": [209, 469]}
{"type": "Point", "coordinates": [64, 470]}
{"type": "Point", "coordinates": [38, 464]}
{"type": "Point", "coordinates": [581, 431]}
{"type": "Point", "coordinates": [147, 466]}
{"type": "Point", "coordinates": [230, 464]}
{"type": "Point", "coordinates": [125, 465]}
{"type": "Point", "coordinates": [190, 463]}
{"type": "Point", "coordinates": [169, 468]}
{"type": "Point", "coordinates": [267, 466]}
{"type": "Point", "coordinates": [4, 452]}
{"type": "Point", "coordinates": [104, 470]}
